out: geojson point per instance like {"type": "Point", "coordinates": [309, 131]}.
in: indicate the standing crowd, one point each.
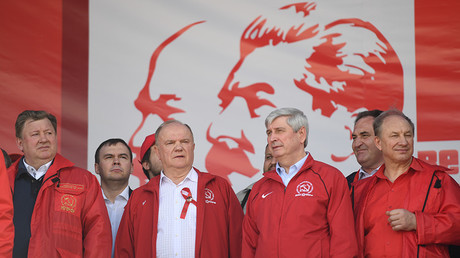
{"type": "Point", "coordinates": [395, 205]}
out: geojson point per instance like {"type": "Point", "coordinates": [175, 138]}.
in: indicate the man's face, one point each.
{"type": "Point", "coordinates": [38, 142]}
{"type": "Point", "coordinates": [153, 164]}
{"type": "Point", "coordinates": [396, 140]}
{"type": "Point", "coordinates": [269, 160]}
{"type": "Point", "coordinates": [366, 153]}
{"type": "Point", "coordinates": [284, 142]}
{"type": "Point", "coordinates": [175, 147]}
{"type": "Point", "coordinates": [115, 163]}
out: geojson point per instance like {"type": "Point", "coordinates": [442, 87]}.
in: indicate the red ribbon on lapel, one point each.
{"type": "Point", "coordinates": [187, 194]}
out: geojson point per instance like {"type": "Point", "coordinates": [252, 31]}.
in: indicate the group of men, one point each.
{"type": "Point", "coordinates": [395, 205]}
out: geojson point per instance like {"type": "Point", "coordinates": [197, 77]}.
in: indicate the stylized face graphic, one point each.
{"type": "Point", "coordinates": [329, 70]}
{"type": "Point", "coordinates": [158, 102]}
{"type": "Point", "coordinates": [321, 69]}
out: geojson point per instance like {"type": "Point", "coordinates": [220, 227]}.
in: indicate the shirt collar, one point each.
{"type": "Point", "coordinates": [124, 194]}
{"type": "Point", "coordinates": [192, 176]}
{"type": "Point", "coordinates": [414, 166]}
{"type": "Point", "coordinates": [294, 168]}
{"type": "Point", "coordinates": [37, 174]}
{"type": "Point", "coordinates": [363, 174]}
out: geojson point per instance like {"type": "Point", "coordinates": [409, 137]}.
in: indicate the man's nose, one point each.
{"type": "Point", "coordinates": [178, 147]}
{"type": "Point", "coordinates": [272, 137]}
{"type": "Point", "coordinates": [43, 137]}
{"type": "Point", "coordinates": [357, 142]}
{"type": "Point", "coordinates": [116, 160]}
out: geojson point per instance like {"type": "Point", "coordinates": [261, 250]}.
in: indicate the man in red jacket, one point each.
{"type": "Point", "coordinates": [408, 208]}
{"type": "Point", "coordinates": [58, 208]}
{"type": "Point", "coordinates": [182, 212]}
{"type": "Point", "coordinates": [303, 207]}
{"type": "Point", "coordinates": [6, 213]}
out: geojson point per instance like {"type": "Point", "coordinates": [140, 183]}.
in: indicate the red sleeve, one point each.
{"type": "Point", "coordinates": [442, 226]}
{"type": "Point", "coordinates": [97, 236]}
{"type": "Point", "coordinates": [340, 218]}
{"type": "Point", "coordinates": [6, 214]}
{"type": "Point", "coordinates": [235, 215]}
{"type": "Point", "coordinates": [124, 244]}
{"type": "Point", "coordinates": [250, 231]}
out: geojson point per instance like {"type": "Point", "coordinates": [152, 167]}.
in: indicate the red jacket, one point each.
{"type": "Point", "coordinates": [6, 213]}
{"type": "Point", "coordinates": [439, 224]}
{"type": "Point", "coordinates": [311, 217]}
{"type": "Point", "coordinates": [219, 218]}
{"type": "Point", "coordinates": [69, 218]}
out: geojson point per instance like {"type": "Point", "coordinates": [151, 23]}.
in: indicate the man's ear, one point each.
{"type": "Point", "coordinates": [378, 143]}
{"type": "Point", "coordinates": [157, 151]}
{"type": "Point", "coordinates": [302, 134]}
{"type": "Point", "coordinates": [19, 143]}
{"type": "Point", "coordinates": [96, 168]}
{"type": "Point", "coordinates": [146, 165]}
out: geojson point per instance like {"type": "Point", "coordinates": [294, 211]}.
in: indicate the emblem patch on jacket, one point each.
{"type": "Point", "coordinates": [304, 189]}
{"type": "Point", "coordinates": [209, 196]}
{"type": "Point", "coordinates": [68, 203]}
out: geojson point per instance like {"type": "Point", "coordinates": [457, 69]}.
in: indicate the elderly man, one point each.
{"type": "Point", "coordinates": [301, 209]}
{"type": "Point", "coordinates": [58, 208]}
{"type": "Point", "coordinates": [151, 165]}
{"type": "Point", "coordinates": [408, 208]}
{"type": "Point", "coordinates": [367, 154]}
{"type": "Point", "coordinates": [269, 164]}
{"type": "Point", "coordinates": [183, 212]}
{"type": "Point", "coordinates": [114, 164]}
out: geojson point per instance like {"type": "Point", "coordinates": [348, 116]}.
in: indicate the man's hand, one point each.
{"type": "Point", "coordinates": [401, 219]}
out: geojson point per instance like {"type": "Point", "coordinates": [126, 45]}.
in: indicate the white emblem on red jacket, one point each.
{"type": "Point", "coordinates": [209, 196]}
{"type": "Point", "coordinates": [304, 189]}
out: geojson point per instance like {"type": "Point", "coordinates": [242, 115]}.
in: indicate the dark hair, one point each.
{"type": "Point", "coordinates": [373, 113]}
{"type": "Point", "coordinates": [392, 112]}
{"type": "Point", "coordinates": [111, 142]}
{"type": "Point", "coordinates": [144, 159]}
{"type": "Point", "coordinates": [34, 116]}
{"type": "Point", "coordinates": [158, 131]}
{"type": "Point", "coordinates": [7, 159]}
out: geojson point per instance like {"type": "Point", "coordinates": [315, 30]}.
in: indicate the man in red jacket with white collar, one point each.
{"type": "Point", "coordinates": [303, 207]}
{"type": "Point", "coordinates": [183, 212]}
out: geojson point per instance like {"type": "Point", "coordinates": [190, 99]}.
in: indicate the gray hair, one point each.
{"type": "Point", "coordinates": [296, 120]}
{"type": "Point", "coordinates": [173, 121]}
{"type": "Point", "coordinates": [392, 112]}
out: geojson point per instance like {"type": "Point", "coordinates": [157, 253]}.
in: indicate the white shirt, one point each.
{"type": "Point", "coordinates": [115, 211]}
{"type": "Point", "coordinates": [292, 170]}
{"type": "Point", "coordinates": [363, 174]}
{"type": "Point", "coordinates": [176, 236]}
{"type": "Point", "coordinates": [37, 173]}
